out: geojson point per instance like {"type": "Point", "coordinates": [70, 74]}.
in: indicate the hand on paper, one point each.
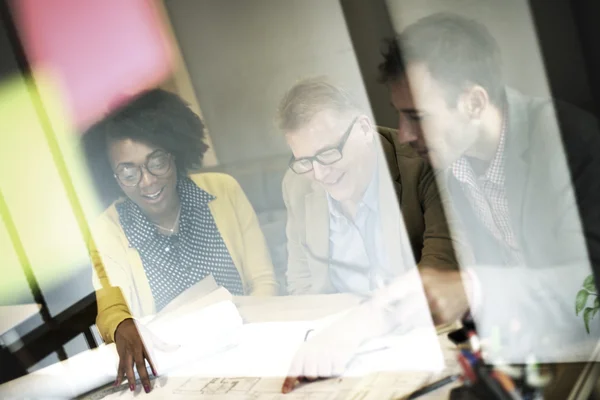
{"type": "Point", "coordinates": [328, 353]}
{"type": "Point", "coordinates": [133, 350]}
{"type": "Point", "coordinates": [445, 294]}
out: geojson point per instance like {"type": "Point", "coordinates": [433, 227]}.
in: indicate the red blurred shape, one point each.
{"type": "Point", "coordinates": [99, 49]}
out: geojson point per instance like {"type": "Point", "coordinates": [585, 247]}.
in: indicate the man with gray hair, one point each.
{"type": "Point", "coordinates": [344, 225]}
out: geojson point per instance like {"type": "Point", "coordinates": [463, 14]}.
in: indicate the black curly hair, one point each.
{"type": "Point", "coordinates": [155, 117]}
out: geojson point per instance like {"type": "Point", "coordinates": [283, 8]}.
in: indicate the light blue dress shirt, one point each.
{"type": "Point", "coordinates": [356, 243]}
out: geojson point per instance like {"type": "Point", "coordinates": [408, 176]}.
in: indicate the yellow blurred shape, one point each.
{"type": "Point", "coordinates": [37, 192]}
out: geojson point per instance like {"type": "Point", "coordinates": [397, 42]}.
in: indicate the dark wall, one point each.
{"type": "Point", "coordinates": [586, 14]}
{"type": "Point", "coordinates": [563, 29]}
{"type": "Point", "coordinates": [369, 24]}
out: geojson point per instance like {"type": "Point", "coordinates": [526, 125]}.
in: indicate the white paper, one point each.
{"type": "Point", "coordinates": [201, 327]}
{"type": "Point", "coordinates": [261, 353]}
{"type": "Point", "coordinates": [294, 308]}
{"type": "Point", "coordinates": [256, 367]}
{"type": "Point", "coordinates": [197, 295]}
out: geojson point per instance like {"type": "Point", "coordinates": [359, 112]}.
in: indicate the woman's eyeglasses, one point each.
{"type": "Point", "coordinates": [157, 164]}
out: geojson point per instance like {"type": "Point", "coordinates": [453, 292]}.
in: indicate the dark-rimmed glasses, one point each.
{"type": "Point", "coordinates": [158, 164]}
{"type": "Point", "coordinates": [324, 157]}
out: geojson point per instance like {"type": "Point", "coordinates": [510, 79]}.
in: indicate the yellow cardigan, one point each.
{"type": "Point", "coordinates": [122, 288]}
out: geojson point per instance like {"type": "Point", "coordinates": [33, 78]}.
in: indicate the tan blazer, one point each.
{"type": "Point", "coordinates": [412, 183]}
{"type": "Point", "coordinates": [122, 287]}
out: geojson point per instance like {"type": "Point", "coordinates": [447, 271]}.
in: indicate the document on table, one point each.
{"type": "Point", "coordinates": [200, 295]}
{"type": "Point", "coordinates": [378, 386]}
{"type": "Point", "coordinates": [255, 368]}
{"type": "Point", "coordinates": [202, 325]}
{"type": "Point", "coordinates": [238, 388]}
{"type": "Point", "coordinates": [294, 308]}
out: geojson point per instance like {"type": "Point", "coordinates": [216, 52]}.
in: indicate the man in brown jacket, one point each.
{"type": "Point", "coordinates": [344, 226]}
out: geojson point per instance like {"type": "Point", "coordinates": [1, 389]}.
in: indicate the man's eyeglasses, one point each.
{"type": "Point", "coordinates": [157, 164]}
{"type": "Point", "coordinates": [324, 157]}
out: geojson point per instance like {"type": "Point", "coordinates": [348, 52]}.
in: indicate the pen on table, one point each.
{"type": "Point", "coordinates": [507, 384]}
{"type": "Point", "coordinates": [433, 386]}
{"type": "Point", "coordinates": [494, 387]}
{"type": "Point", "coordinates": [308, 332]}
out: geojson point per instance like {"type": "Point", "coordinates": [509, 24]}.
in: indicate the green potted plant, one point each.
{"type": "Point", "coordinates": [588, 301]}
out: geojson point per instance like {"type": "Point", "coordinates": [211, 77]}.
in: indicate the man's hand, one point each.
{"type": "Point", "coordinates": [401, 303]}
{"type": "Point", "coordinates": [445, 294]}
{"type": "Point", "coordinates": [133, 350]}
{"type": "Point", "coordinates": [328, 353]}
{"type": "Point", "coordinates": [322, 357]}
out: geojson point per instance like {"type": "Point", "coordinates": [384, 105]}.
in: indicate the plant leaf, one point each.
{"type": "Point", "coordinates": [581, 300]}
{"type": "Point", "coordinates": [587, 316]}
{"type": "Point", "coordinates": [589, 284]}
{"type": "Point", "coordinates": [596, 306]}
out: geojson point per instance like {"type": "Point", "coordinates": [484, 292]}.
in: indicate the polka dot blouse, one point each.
{"type": "Point", "coordinates": [174, 263]}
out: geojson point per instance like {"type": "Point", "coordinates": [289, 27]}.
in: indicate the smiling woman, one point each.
{"type": "Point", "coordinates": [167, 229]}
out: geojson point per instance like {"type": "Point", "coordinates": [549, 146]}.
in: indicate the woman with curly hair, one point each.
{"type": "Point", "coordinates": [168, 229]}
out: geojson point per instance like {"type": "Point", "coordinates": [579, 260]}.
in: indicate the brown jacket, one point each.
{"type": "Point", "coordinates": [420, 202]}
{"type": "Point", "coordinates": [413, 184]}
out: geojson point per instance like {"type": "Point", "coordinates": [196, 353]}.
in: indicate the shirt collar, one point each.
{"type": "Point", "coordinates": [462, 170]}
{"type": "Point", "coordinates": [138, 227]}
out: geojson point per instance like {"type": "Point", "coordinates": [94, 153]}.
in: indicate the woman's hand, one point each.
{"type": "Point", "coordinates": [135, 350]}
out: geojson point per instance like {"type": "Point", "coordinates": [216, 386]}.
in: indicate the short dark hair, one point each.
{"type": "Point", "coordinates": [457, 51]}
{"type": "Point", "coordinates": [155, 117]}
